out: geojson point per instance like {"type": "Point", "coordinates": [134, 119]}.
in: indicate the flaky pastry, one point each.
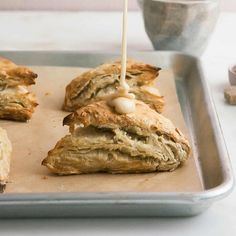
{"type": "Point", "coordinates": [5, 156]}
{"type": "Point", "coordinates": [103, 141]}
{"type": "Point", "coordinates": [97, 84]}
{"type": "Point", "coordinates": [16, 102]}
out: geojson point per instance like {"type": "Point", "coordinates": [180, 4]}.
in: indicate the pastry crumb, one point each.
{"type": "Point", "coordinates": [44, 177]}
{"type": "Point", "coordinates": [230, 95]}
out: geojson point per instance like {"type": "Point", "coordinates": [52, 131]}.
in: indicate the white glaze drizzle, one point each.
{"type": "Point", "coordinates": [123, 82]}
{"type": "Point", "coordinates": [122, 100]}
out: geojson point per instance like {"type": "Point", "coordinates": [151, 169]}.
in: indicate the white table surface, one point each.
{"type": "Point", "coordinates": [101, 31]}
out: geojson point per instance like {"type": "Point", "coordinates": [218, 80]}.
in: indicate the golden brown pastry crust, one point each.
{"type": "Point", "coordinates": [16, 103]}
{"type": "Point", "coordinates": [104, 141]}
{"type": "Point", "coordinates": [65, 159]}
{"type": "Point", "coordinates": [5, 155]}
{"type": "Point", "coordinates": [13, 75]}
{"type": "Point", "coordinates": [144, 119]}
{"type": "Point", "coordinates": [19, 107]}
{"type": "Point", "coordinates": [96, 84]}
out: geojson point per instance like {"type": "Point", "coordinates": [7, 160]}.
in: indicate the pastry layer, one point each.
{"type": "Point", "coordinates": [5, 155]}
{"type": "Point", "coordinates": [17, 104]}
{"type": "Point", "coordinates": [12, 75]}
{"type": "Point", "coordinates": [91, 150]}
{"type": "Point", "coordinates": [97, 84]}
{"type": "Point", "coordinates": [104, 141]}
{"type": "Point", "coordinates": [143, 121]}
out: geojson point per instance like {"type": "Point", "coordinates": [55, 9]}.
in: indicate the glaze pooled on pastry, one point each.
{"type": "Point", "coordinates": [16, 102]}
{"type": "Point", "coordinates": [5, 155]}
{"type": "Point", "coordinates": [99, 83]}
{"type": "Point", "coordinates": [124, 102]}
{"type": "Point", "coordinates": [103, 141]}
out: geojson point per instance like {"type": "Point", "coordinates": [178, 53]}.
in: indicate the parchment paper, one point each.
{"type": "Point", "coordinates": [31, 142]}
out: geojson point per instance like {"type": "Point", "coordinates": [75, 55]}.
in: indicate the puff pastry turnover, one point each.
{"type": "Point", "coordinates": [5, 154]}
{"type": "Point", "coordinates": [96, 84]}
{"type": "Point", "coordinates": [16, 102]}
{"type": "Point", "coordinates": [104, 141]}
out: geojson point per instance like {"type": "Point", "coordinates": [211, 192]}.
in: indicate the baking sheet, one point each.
{"type": "Point", "coordinates": [31, 142]}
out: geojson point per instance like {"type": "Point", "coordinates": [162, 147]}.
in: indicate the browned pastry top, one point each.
{"type": "Point", "coordinates": [144, 120]}
{"type": "Point", "coordinates": [16, 102]}
{"type": "Point", "coordinates": [133, 67]}
{"type": "Point", "coordinates": [99, 83]}
{"type": "Point", "coordinates": [13, 75]}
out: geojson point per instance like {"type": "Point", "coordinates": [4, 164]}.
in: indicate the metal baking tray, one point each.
{"type": "Point", "coordinates": [205, 132]}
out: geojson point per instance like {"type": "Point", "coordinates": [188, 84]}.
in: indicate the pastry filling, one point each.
{"type": "Point", "coordinates": [151, 90]}
{"type": "Point", "coordinates": [20, 89]}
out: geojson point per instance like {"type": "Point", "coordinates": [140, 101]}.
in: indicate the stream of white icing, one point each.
{"type": "Point", "coordinates": [123, 82]}
{"type": "Point", "coordinates": [124, 102]}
